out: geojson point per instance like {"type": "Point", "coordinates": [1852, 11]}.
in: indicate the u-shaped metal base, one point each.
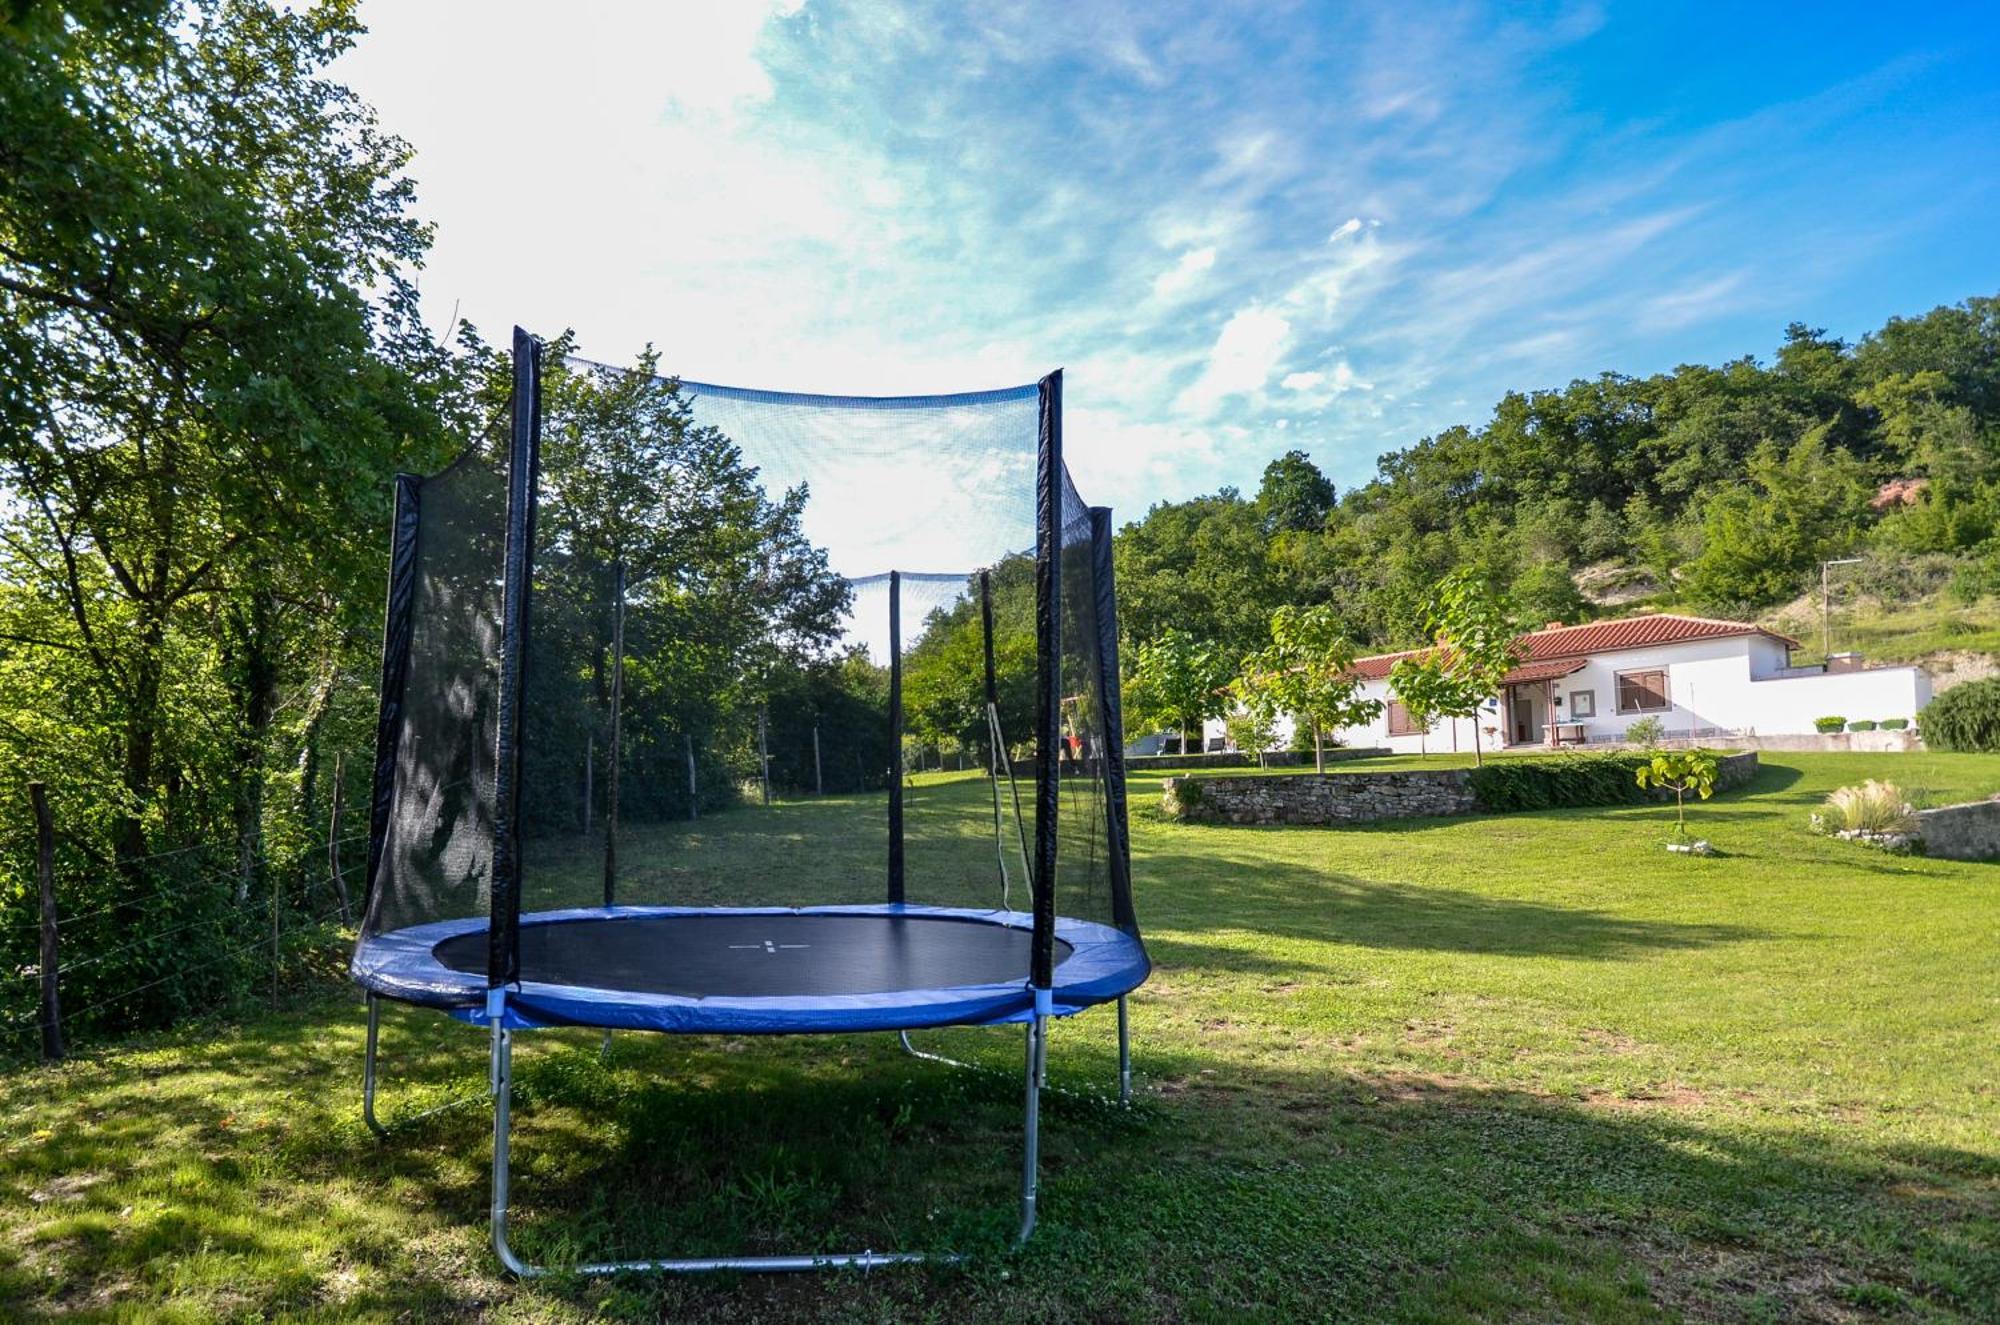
{"type": "Point", "coordinates": [502, 1083]}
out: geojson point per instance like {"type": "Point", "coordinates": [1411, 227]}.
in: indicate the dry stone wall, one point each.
{"type": "Point", "coordinates": [1319, 798]}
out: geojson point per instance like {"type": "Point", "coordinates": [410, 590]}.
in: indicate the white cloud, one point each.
{"type": "Point", "coordinates": [1302, 381]}
{"type": "Point", "coordinates": [1179, 278]}
{"type": "Point", "coordinates": [1251, 346]}
{"type": "Point", "coordinates": [1351, 226]}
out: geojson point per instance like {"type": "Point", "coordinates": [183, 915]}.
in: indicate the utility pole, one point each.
{"type": "Point", "coordinates": [1826, 604]}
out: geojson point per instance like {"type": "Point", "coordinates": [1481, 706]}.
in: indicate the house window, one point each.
{"type": "Point", "coordinates": [1583, 703]}
{"type": "Point", "coordinates": [1643, 692]}
{"type": "Point", "coordinates": [1399, 720]}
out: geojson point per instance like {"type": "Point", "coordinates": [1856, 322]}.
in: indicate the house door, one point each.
{"type": "Point", "coordinates": [1522, 704]}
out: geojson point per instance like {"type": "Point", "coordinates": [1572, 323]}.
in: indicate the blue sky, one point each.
{"type": "Point", "coordinates": [1242, 229]}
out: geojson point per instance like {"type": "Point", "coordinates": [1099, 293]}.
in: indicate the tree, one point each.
{"type": "Point", "coordinates": [204, 407]}
{"type": "Point", "coordinates": [1307, 670]}
{"type": "Point", "coordinates": [1181, 681]}
{"type": "Point", "coordinates": [1294, 496]}
{"type": "Point", "coordinates": [1681, 771]}
{"type": "Point", "coordinates": [1428, 692]}
{"type": "Point", "coordinates": [1254, 725]}
{"type": "Point", "coordinates": [1473, 632]}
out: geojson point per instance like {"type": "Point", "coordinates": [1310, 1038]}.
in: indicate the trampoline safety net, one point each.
{"type": "Point", "coordinates": [660, 649]}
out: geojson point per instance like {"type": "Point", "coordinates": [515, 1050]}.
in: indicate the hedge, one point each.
{"type": "Point", "coordinates": [1965, 717]}
{"type": "Point", "coordinates": [1560, 782]}
{"type": "Point", "coordinates": [1864, 725]}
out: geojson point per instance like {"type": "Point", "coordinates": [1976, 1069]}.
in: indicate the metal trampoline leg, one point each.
{"type": "Point", "coordinates": [1124, 1054]}
{"type": "Point", "coordinates": [1031, 1150]}
{"type": "Point", "coordinates": [369, 1075]}
{"type": "Point", "coordinates": [501, 1079]}
{"type": "Point", "coordinates": [368, 1068]}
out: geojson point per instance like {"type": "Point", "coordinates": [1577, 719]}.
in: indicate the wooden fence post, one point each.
{"type": "Point", "coordinates": [45, 873]}
{"type": "Point", "coordinates": [333, 843]}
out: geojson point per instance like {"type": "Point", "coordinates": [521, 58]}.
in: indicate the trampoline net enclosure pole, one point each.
{"type": "Point", "coordinates": [895, 736]}
{"type": "Point", "coordinates": [1048, 674]}
{"type": "Point", "coordinates": [504, 948]}
{"type": "Point", "coordinates": [615, 724]}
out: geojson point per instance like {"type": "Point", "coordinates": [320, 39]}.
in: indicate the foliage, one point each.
{"type": "Point", "coordinates": [1872, 807]}
{"type": "Point", "coordinates": [1965, 717]}
{"type": "Point", "coordinates": [1426, 690]}
{"type": "Point", "coordinates": [1252, 730]}
{"type": "Point", "coordinates": [1295, 496]}
{"type": "Point", "coordinates": [1681, 772]}
{"type": "Point", "coordinates": [1537, 782]}
{"type": "Point", "coordinates": [1307, 671]}
{"type": "Point", "coordinates": [1862, 725]}
{"type": "Point", "coordinates": [1472, 630]}
{"type": "Point", "coordinates": [1181, 682]}
{"type": "Point", "coordinates": [1724, 484]}
{"type": "Point", "coordinates": [944, 669]}
{"type": "Point", "coordinates": [1646, 732]}
{"type": "Point", "coordinates": [1894, 724]}
{"type": "Point", "coordinates": [1833, 722]}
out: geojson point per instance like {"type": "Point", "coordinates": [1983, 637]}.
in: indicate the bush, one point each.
{"type": "Point", "coordinates": [1864, 725]}
{"type": "Point", "coordinates": [1965, 717]}
{"type": "Point", "coordinates": [1561, 781]}
{"type": "Point", "coordinates": [1647, 732]}
{"type": "Point", "coordinates": [1830, 724]}
{"type": "Point", "coordinates": [1894, 724]}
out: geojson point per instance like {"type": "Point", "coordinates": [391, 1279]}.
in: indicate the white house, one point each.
{"type": "Point", "coordinates": [1698, 676]}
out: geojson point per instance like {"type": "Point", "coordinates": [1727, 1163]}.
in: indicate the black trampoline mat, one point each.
{"type": "Point", "coordinates": [751, 955]}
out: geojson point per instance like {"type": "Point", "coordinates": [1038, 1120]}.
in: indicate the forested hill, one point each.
{"type": "Point", "coordinates": [1718, 488]}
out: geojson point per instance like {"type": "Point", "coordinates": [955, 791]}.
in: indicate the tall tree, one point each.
{"type": "Point", "coordinates": [1307, 670]}
{"type": "Point", "coordinates": [1181, 681]}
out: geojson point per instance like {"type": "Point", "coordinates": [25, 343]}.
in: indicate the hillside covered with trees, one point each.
{"type": "Point", "coordinates": [1716, 488]}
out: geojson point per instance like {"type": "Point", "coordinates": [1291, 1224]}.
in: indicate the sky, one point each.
{"type": "Point", "coordinates": [1240, 229]}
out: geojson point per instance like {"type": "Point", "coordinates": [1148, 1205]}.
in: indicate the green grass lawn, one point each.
{"type": "Point", "coordinates": [1520, 1068]}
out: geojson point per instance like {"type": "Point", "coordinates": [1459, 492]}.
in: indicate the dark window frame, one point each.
{"type": "Point", "coordinates": [1582, 703]}
{"type": "Point", "coordinates": [1665, 691]}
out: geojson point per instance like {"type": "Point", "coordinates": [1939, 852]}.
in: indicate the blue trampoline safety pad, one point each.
{"type": "Point", "coordinates": [756, 971]}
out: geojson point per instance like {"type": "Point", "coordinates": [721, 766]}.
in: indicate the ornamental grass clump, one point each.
{"type": "Point", "coordinates": [1876, 813]}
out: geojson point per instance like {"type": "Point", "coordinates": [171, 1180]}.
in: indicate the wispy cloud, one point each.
{"type": "Point", "coordinates": [1232, 222]}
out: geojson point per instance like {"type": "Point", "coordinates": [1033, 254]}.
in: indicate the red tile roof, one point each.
{"type": "Point", "coordinates": [1542, 671]}
{"type": "Point", "coordinates": [1575, 642]}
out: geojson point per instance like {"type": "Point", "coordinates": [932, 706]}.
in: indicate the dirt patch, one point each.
{"type": "Point", "coordinates": [1954, 667]}
{"type": "Point", "coordinates": [1609, 1042]}
{"type": "Point", "coordinates": [1670, 1097]}
{"type": "Point", "coordinates": [1705, 1282]}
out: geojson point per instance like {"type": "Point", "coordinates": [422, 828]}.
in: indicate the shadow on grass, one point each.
{"type": "Point", "coordinates": [1232, 1190]}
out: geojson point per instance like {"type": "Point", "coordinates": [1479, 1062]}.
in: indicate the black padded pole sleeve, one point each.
{"type": "Point", "coordinates": [986, 634]}
{"type": "Point", "coordinates": [503, 953]}
{"type": "Point", "coordinates": [405, 528]}
{"type": "Point", "coordinates": [895, 737]}
{"type": "Point", "coordinates": [1110, 705]}
{"type": "Point", "coordinates": [614, 764]}
{"type": "Point", "coordinates": [1048, 674]}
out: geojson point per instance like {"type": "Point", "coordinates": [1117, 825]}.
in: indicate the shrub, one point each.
{"type": "Point", "coordinates": [1965, 717]}
{"type": "Point", "coordinates": [1864, 725]}
{"type": "Point", "coordinates": [1681, 771]}
{"type": "Point", "coordinates": [1646, 732]}
{"type": "Point", "coordinates": [1872, 807]}
{"type": "Point", "coordinates": [1559, 782]}
{"type": "Point", "coordinates": [1894, 724]}
{"type": "Point", "coordinates": [1830, 724]}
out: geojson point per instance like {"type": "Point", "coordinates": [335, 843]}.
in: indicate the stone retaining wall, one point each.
{"type": "Point", "coordinates": [1319, 798]}
{"type": "Point", "coordinates": [1332, 798]}
{"type": "Point", "coordinates": [1961, 832]}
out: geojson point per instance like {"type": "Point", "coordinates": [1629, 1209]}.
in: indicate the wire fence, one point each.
{"type": "Point", "coordinates": [109, 957]}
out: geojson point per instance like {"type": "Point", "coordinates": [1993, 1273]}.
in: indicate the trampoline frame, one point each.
{"type": "Point", "coordinates": [500, 1078]}
{"type": "Point", "coordinates": [503, 934]}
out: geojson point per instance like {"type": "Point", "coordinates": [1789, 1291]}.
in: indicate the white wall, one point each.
{"type": "Point", "coordinates": [1715, 686]}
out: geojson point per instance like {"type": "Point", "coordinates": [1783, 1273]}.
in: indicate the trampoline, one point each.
{"type": "Point", "coordinates": [574, 821]}
{"type": "Point", "coordinates": [762, 970]}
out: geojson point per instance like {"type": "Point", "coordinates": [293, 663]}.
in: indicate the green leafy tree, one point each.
{"type": "Point", "coordinates": [1294, 496]}
{"type": "Point", "coordinates": [1307, 670]}
{"type": "Point", "coordinates": [1681, 772]}
{"type": "Point", "coordinates": [1181, 681]}
{"type": "Point", "coordinates": [1473, 630]}
{"type": "Point", "coordinates": [1427, 692]}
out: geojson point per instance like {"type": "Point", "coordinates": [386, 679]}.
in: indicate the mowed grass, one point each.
{"type": "Point", "coordinates": [1523, 1068]}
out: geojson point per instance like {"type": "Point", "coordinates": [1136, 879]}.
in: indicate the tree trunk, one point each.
{"type": "Point", "coordinates": [1478, 757]}
{"type": "Point", "coordinates": [258, 699]}
{"type": "Point", "coordinates": [1319, 748]}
